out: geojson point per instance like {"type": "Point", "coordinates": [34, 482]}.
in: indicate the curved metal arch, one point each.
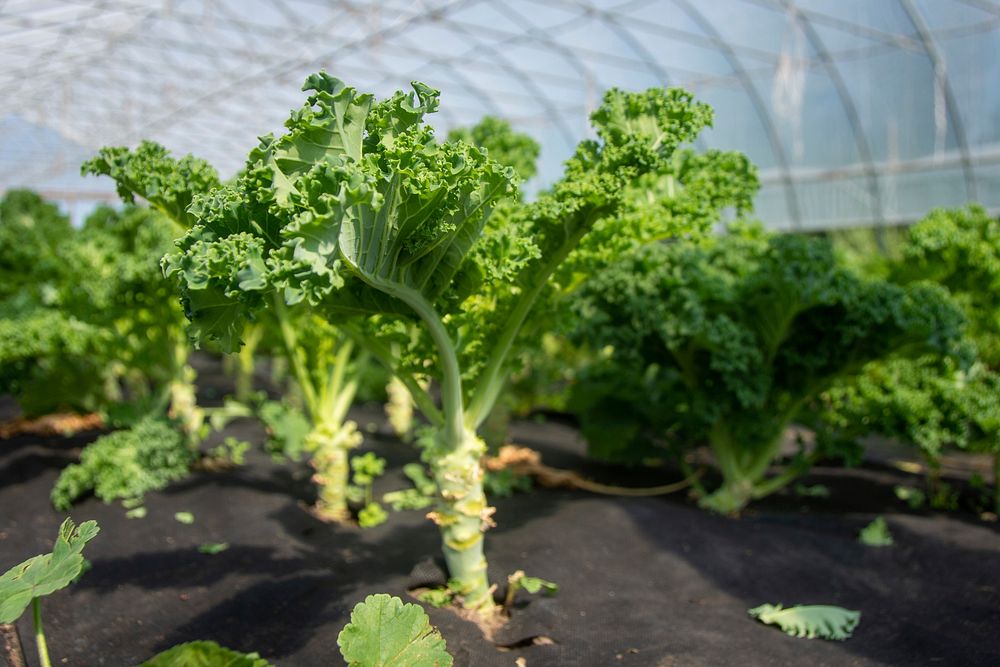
{"type": "Point", "coordinates": [937, 62]}
{"type": "Point", "coordinates": [850, 110]}
{"type": "Point", "coordinates": [539, 35]}
{"type": "Point", "coordinates": [791, 195]}
{"type": "Point", "coordinates": [486, 97]}
{"type": "Point", "coordinates": [290, 64]}
{"type": "Point", "coordinates": [464, 80]}
{"type": "Point", "coordinates": [647, 58]}
{"type": "Point", "coordinates": [574, 60]}
{"type": "Point", "coordinates": [447, 61]}
{"type": "Point", "coordinates": [526, 82]}
{"type": "Point", "coordinates": [145, 17]}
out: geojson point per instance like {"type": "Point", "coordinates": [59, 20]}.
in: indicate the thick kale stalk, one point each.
{"type": "Point", "coordinates": [727, 342]}
{"type": "Point", "coordinates": [358, 212]}
{"type": "Point", "coordinates": [325, 367]}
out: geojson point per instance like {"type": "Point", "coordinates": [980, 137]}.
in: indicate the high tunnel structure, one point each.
{"type": "Point", "coordinates": [857, 112]}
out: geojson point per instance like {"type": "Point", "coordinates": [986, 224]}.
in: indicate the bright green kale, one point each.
{"type": "Point", "coordinates": [684, 197]}
{"type": "Point", "coordinates": [52, 361]}
{"type": "Point", "coordinates": [106, 320]}
{"type": "Point", "coordinates": [502, 143]}
{"type": "Point", "coordinates": [126, 464]}
{"type": "Point", "coordinates": [359, 213]}
{"type": "Point", "coordinates": [960, 249]}
{"type": "Point", "coordinates": [53, 355]}
{"type": "Point", "coordinates": [937, 402]}
{"type": "Point", "coordinates": [167, 183]}
{"type": "Point", "coordinates": [32, 234]}
{"type": "Point", "coordinates": [876, 534]}
{"type": "Point", "coordinates": [728, 341]}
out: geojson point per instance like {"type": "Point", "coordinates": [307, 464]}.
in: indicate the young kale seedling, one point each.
{"type": "Point", "coordinates": [42, 575]}
{"type": "Point", "coordinates": [518, 581]}
{"type": "Point", "coordinates": [367, 469]}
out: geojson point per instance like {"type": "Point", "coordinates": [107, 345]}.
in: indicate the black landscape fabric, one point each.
{"type": "Point", "coordinates": [643, 581]}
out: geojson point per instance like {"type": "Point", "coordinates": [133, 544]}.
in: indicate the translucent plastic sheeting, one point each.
{"type": "Point", "coordinates": [857, 111]}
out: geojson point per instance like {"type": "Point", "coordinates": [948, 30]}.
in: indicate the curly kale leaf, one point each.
{"type": "Point", "coordinates": [32, 236]}
{"type": "Point", "coordinates": [740, 334]}
{"type": "Point", "coordinates": [936, 401]}
{"type": "Point", "coordinates": [126, 464]}
{"type": "Point", "coordinates": [960, 249]}
{"type": "Point", "coordinates": [354, 195]}
{"type": "Point", "coordinates": [502, 143]}
{"type": "Point", "coordinates": [149, 171]}
{"type": "Point", "coordinates": [101, 313]}
{"type": "Point", "coordinates": [51, 361]}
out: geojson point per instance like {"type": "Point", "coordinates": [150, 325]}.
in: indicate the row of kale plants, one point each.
{"type": "Point", "coordinates": [357, 249]}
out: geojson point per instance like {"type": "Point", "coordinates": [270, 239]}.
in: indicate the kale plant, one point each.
{"type": "Point", "coordinates": [728, 342]}
{"type": "Point", "coordinates": [935, 401]}
{"type": "Point", "coordinates": [357, 211]}
{"type": "Point", "coordinates": [126, 464]}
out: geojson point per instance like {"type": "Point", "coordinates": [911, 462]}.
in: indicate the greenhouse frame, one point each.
{"type": "Point", "coordinates": [480, 333]}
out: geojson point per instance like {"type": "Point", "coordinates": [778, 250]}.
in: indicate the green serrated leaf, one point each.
{"type": "Point", "coordinates": [184, 517]}
{"type": "Point", "coordinates": [876, 534]}
{"type": "Point", "coordinates": [212, 548]}
{"type": "Point", "coordinates": [384, 632]}
{"type": "Point", "coordinates": [421, 481]}
{"type": "Point", "coordinates": [204, 654]}
{"type": "Point", "coordinates": [915, 498]}
{"type": "Point", "coordinates": [136, 513]}
{"type": "Point", "coordinates": [812, 491]}
{"type": "Point", "coordinates": [372, 515]}
{"type": "Point", "coordinates": [810, 621]}
{"type": "Point", "coordinates": [437, 597]}
{"type": "Point", "coordinates": [534, 585]}
{"type": "Point", "coordinates": [407, 499]}
{"type": "Point", "coordinates": [47, 573]}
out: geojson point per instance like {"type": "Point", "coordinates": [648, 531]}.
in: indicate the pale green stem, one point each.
{"type": "Point", "coordinates": [183, 400]}
{"type": "Point", "coordinates": [462, 509]}
{"type": "Point", "coordinates": [336, 401]}
{"type": "Point", "coordinates": [780, 481]}
{"type": "Point", "coordinates": [491, 380]}
{"type": "Point", "coordinates": [295, 354]}
{"type": "Point", "coordinates": [331, 445]}
{"type": "Point", "coordinates": [245, 359]}
{"type": "Point", "coordinates": [742, 469]}
{"type": "Point", "coordinates": [385, 357]}
{"type": "Point", "coordinates": [332, 437]}
{"type": "Point", "coordinates": [43, 647]}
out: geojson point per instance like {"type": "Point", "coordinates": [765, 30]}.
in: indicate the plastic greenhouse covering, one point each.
{"type": "Point", "coordinates": [858, 112]}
